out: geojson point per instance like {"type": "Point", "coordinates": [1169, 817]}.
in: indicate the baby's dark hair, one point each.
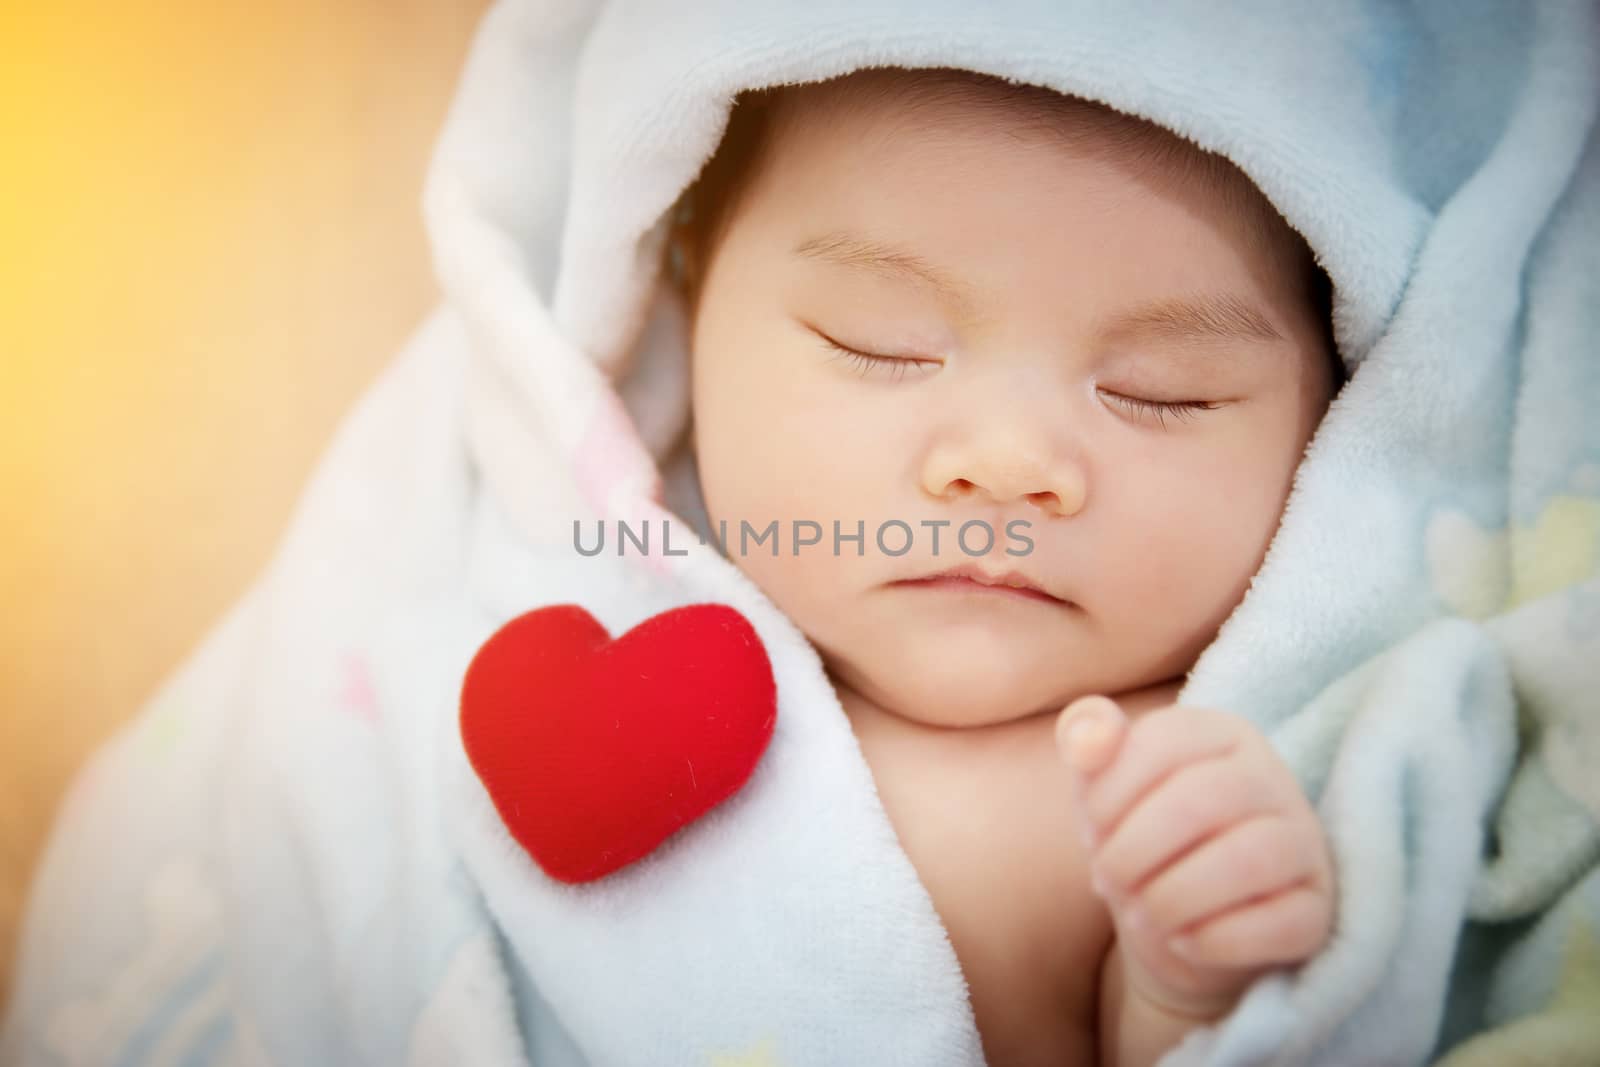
{"type": "Point", "coordinates": [705, 209]}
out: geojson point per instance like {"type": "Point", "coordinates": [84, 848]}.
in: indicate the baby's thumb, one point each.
{"type": "Point", "coordinates": [1089, 732]}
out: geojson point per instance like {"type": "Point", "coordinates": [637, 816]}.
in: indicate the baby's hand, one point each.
{"type": "Point", "coordinates": [1204, 847]}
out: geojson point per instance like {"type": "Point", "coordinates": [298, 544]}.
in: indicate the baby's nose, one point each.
{"type": "Point", "coordinates": [1051, 481]}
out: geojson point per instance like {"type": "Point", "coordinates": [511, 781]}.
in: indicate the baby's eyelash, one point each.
{"type": "Point", "coordinates": [863, 362]}
{"type": "Point", "coordinates": [1183, 409]}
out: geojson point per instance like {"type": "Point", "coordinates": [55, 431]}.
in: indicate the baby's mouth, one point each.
{"type": "Point", "coordinates": [975, 581]}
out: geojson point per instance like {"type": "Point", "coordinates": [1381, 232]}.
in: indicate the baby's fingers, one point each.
{"type": "Point", "coordinates": [1194, 803]}
{"type": "Point", "coordinates": [1249, 861]}
{"type": "Point", "coordinates": [1088, 734]}
{"type": "Point", "coordinates": [1155, 746]}
{"type": "Point", "coordinates": [1234, 872]}
{"type": "Point", "coordinates": [1285, 928]}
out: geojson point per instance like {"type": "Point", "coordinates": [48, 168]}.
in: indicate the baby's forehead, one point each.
{"type": "Point", "coordinates": [938, 102]}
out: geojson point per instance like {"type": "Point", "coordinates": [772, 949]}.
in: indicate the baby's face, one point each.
{"type": "Point", "coordinates": [1084, 291]}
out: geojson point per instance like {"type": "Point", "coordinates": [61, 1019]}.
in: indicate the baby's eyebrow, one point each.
{"type": "Point", "coordinates": [1198, 319]}
{"type": "Point", "coordinates": [866, 253]}
{"type": "Point", "coordinates": [1202, 318]}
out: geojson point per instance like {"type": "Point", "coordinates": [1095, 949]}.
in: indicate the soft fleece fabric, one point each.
{"type": "Point", "coordinates": [287, 860]}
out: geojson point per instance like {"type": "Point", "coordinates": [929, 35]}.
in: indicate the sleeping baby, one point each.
{"type": "Point", "coordinates": [941, 301]}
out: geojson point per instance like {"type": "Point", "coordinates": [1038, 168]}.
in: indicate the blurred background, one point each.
{"type": "Point", "coordinates": [212, 241]}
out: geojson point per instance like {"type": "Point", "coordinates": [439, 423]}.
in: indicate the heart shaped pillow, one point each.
{"type": "Point", "coordinates": [595, 750]}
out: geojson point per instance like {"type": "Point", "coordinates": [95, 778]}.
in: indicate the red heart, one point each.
{"type": "Point", "coordinates": [595, 751]}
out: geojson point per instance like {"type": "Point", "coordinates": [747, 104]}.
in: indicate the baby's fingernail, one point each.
{"type": "Point", "coordinates": [1082, 730]}
{"type": "Point", "coordinates": [1094, 706]}
{"type": "Point", "coordinates": [1086, 727]}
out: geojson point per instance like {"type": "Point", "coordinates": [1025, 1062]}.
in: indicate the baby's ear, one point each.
{"type": "Point", "coordinates": [676, 261]}
{"type": "Point", "coordinates": [680, 258]}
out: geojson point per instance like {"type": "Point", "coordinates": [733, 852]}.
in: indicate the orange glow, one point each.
{"type": "Point", "coordinates": [212, 241]}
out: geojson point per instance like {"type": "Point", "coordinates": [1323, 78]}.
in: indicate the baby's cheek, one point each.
{"type": "Point", "coordinates": [804, 586]}
{"type": "Point", "coordinates": [1161, 590]}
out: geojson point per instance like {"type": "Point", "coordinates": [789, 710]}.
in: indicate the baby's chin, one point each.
{"type": "Point", "coordinates": [942, 690]}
